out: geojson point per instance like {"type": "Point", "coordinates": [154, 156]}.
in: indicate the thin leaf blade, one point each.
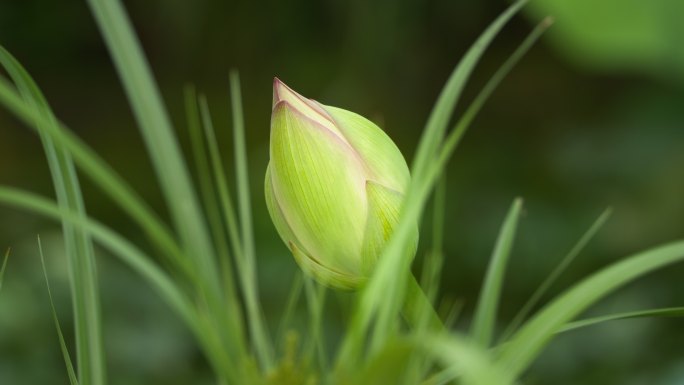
{"type": "Point", "coordinates": [650, 313]}
{"type": "Point", "coordinates": [485, 313]}
{"type": "Point", "coordinates": [73, 380]}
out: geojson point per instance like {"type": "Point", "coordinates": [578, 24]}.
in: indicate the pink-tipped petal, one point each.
{"type": "Point", "coordinates": [304, 106]}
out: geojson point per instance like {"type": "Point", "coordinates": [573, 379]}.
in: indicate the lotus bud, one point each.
{"type": "Point", "coordinates": [334, 186]}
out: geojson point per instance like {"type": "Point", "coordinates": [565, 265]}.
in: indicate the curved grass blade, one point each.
{"type": "Point", "coordinates": [79, 248]}
{"type": "Point", "coordinates": [163, 149]}
{"type": "Point", "coordinates": [651, 313]}
{"type": "Point", "coordinates": [454, 138]}
{"type": "Point", "coordinates": [62, 344]}
{"type": "Point", "coordinates": [392, 270]}
{"type": "Point", "coordinates": [534, 335]}
{"type": "Point", "coordinates": [204, 175]}
{"type": "Point", "coordinates": [100, 173]}
{"type": "Point", "coordinates": [551, 278]}
{"type": "Point", "coordinates": [223, 196]}
{"type": "Point", "coordinates": [139, 262]}
{"type": "Point", "coordinates": [444, 107]}
{"type": "Point", "coordinates": [118, 245]}
{"type": "Point", "coordinates": [485, 312]}
{"type": "Point", "coordinates": [4, 265]}
{"type": "Point", "coordinates": [209, 197]}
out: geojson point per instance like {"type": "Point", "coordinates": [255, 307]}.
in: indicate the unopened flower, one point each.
{"type": "Point", "coordinates": [334, 187]}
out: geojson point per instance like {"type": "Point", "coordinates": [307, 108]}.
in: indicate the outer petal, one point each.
{"type": "Point", "coordinates": [381, 156]}
{"type": "Point", "coordinates": [384, 205]}
{"type": "Point", "coordinates": [305, 260]}
{"type": "Point", "coordinates": [281, 225]}
{"type": "Point", "coordinates": [319, 182]}
{"type": "Point", "coordinates": [322, 273]}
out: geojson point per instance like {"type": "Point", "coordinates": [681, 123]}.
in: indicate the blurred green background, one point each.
{"type": "Point", "coordinates": [592, 117]}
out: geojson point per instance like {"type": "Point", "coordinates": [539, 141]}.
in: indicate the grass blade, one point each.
{"type": "Point", "coordinates": [461, 127]}
{"type": "Point", "coordinates": [444, 107]}
{"type": "Point", "coordinates": [224, 198]}
{"type": "Point", "coordinates": [527, 343]}
{"type": "Point", "coordinates": [62, 344]}
{"type": "Point", "coordinates": [100, 172]}
{"type": "Point", "coordinates": [485, 313]}
{"type": "Point", "coordinates": [156, 129]}
{"type": "Point", "coordinates": [551, 278]}
{"type": "Point", "coordinates": [4, 265]}
{"type": "Point", "coordinates": [118, 245]}
{"type": "Point", "coordinates": [79, 248]}
{"type": "Point", "coordinates": [250, 288]}
{"type": "Point", "coordinates": [209, 196]}
{"type": "Point", "coordinates": [139, 262]}
{"type": "Point", "coordinates": [224, 195]}
{"type": "Point", "coordinates": [651, 313]}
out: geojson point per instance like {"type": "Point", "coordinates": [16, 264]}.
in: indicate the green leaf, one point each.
{"type": "Point", "coordinates": [651, 313]}
{"type": "Point", "coordinates": [62, 344]}
{"type": "Point", "coordinates": [484, 321]}
{"type": "Point", "coordinates": [527, 343]}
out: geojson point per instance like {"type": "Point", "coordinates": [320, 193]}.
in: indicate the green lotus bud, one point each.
{"type": "Point", "coordinates": [334, 187]}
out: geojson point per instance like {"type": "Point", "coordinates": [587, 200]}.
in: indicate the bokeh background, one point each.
{"type": "Point", "coordinates": [592, 117]}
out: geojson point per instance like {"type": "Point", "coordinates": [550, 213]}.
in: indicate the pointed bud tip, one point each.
{"type": "Point", "coordinates": [282, 92]}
